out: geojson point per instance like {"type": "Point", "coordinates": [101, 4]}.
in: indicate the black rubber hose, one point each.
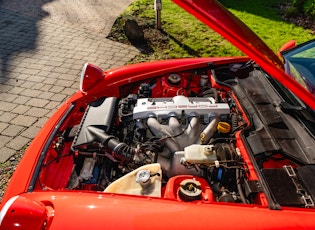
{"type": "Point", "coordinates": [234, 121]}
{"type": "Point", "coordinates": [111, 142]}
{"type": "Point", "coordinates": [239, 186]}
{"type": "Point", "coordinates": [212, 93]}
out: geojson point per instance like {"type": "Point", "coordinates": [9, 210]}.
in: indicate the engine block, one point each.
{"type": "Point", "coordinates": [162, 108]}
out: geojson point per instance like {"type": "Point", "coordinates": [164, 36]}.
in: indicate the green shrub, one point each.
{"type": "Point", "coordinates": [305, 7]}
{"type": "Point", "coordinates": [298, 4]}
{"type": "Point", "coordinates": [309, 8]}
{"type": "Point", "coordinates": [292, 11]}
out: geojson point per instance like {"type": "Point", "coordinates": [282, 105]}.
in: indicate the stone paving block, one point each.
{"type": "Point", "coordinates": [76, 85]}
{"type": "Point", "coordinates": [40, 122]}
{"type": "Point", "coordinates": [4, 140]}
{"type": "Point", "coordinates": [49, 80]}
{"type": "Point", "coordinates": [21, 100]}
{"type": "Point", "coordinates": [8, 97]}
{"type": "Point", "coordinates": [46, 95]}
{"type": "Point", "coordinates": [52, 105]}
{"type": "Point", "coordinates": [111, 62]}
{"type": "Point", "coordinates": [7, 117]}
{"type": "Point", "coordinates": [66, 65]}
{"type": "Point", "coordinates": [5, 88]}
{"type": "Point", "coordinates": [39, 86]}
{"type": "Point", "coordinates": [21, 76]}
{"type": "Point", "coordinates": [19, 69]}
{"type": "Point", "coordinates": [18, 142]}
{"type": "Point", "coordinates": [75, 72]}
{"type": "Point", "coordinates": [30, 132]}
{"type": "Point", "coordinates": [35, 66]}
{"type": "Point", "coordinates": [54, 63]}
{"type": "Point", "coordinates": [69, 91]}
{"type": "Point", "coordinates": [36, 78]}
{"type": "Point", "coordinates": [64, 83]}
{"type": "Point", "coordinates": [3, 126]}
{"type": "Point", "coordinates": [6, 153]}
{"type": "Point", "coordinates": [30, 93]}
{"type": "Point", "coordinates": [53, 74]}
{"type": "Point", "coordinates": [48, 115]}
{"type": "Point", "coordinates": [57, 58]}
{"type": "Point", "coordinates": [30, 71]}
{"type": "Point", "coordinates": [56, 89]}
{"type": "Point", "coordinates": [24, 120]}
{"type": "Point", "coordinates": [16, 90]}
{"type": "Point", "coordinates": [59, 97]}
{"type": "Point", "coordinates": [27, 84]}
{"type": "Point", "coordinates": [37, 112]}
{"type": "Point", "coordinates": [46, 68]}
{"type": "Point", "coordinates": [27, 61]}
{"type": "Point", "coordinates": [69, 59]}
{"type": "Point", "coordinates": [21, 109]}
{"type": "Point", "coordinates": [36, 102]}
{"type": "Point", "coordinates": [76, 69]}
{"type": "Point", "coordinates": [12, 130]}
{"type": "Point", "coordinates": [7, 107]}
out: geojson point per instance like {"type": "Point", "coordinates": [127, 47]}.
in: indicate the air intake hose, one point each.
{"type": "Point", "coordinates": [111, 142]}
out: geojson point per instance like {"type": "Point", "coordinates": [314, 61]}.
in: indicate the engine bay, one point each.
{"type": "Point", "coordinates": [191, 136]}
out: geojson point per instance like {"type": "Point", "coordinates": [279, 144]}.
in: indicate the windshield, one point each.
{"type": "Point", "coordinates": [300, 64]}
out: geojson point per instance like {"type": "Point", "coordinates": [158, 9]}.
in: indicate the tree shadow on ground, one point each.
{"type": "Point", "coordinates": [187, 48]}
{"type": "Point", "coordinates": [154, 39]}
{"type": "Point", "coordinates": [18, 30]}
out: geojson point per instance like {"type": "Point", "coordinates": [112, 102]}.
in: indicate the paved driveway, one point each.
{"type": "Point", "coordinates": [43, 47]}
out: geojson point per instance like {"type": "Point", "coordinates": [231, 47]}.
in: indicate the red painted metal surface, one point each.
{"type": "Point", "coordinates": [90, 76]}
{"type": "Point", "coordinates": [143, 212]}
{"type": "Point", "coordinates": [173, 185]}
{"type": "Point", "coordinates": [112, 211]}
{"type": "Point", "coordinates": [24, 213]}
{"type": "Point", "coordinates": [50, 203]}
{"type": "Point", "coordinates": [131, 73]}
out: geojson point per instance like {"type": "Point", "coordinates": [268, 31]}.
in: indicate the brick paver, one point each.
{"type": "Point", "coordinates": [43, 47]}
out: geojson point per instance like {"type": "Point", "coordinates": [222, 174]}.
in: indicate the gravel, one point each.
{"type": "Point", "coordinates": [6, 170]}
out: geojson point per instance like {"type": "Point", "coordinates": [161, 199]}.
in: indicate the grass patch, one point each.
{"type": "Point", "coordinates": [263, 17]}
{"type": "Point", "coordinates": [184, 36]}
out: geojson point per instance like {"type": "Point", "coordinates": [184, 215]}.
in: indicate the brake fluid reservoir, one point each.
{"type": "Point", "coordinates": [205, 154]}
{"type": "Point", "coordinates": [144, 181]}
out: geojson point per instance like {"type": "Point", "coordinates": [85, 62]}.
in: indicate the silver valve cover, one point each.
{"type": "Point", "coordinates": [162, 108]}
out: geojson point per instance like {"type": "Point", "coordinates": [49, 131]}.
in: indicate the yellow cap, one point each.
{"type": "Point", "coordinates": [224, 127]}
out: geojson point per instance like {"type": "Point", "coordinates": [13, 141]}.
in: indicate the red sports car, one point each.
{"type": "Point", "coordinates": [206, 143]}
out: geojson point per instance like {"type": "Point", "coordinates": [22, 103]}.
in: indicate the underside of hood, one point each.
{"type": "Point", "coordinates": [218, 18]}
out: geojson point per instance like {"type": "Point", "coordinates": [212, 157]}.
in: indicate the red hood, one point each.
{"type": "Point", "coordinates": [218, 18]}
{"type": "Point", "coordinates": [78, 210]}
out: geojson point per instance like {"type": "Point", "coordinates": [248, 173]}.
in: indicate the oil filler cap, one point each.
{"type": "Point", "coordinates": [190, 190]}
{"type": "Point", "coordinates": [224, 127]}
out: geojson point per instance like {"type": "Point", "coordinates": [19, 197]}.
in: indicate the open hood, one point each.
{"type": "Point", "coordinates": [218, 18]}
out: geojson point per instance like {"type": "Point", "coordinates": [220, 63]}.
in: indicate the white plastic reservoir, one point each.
{"type": "Point", "coordinates": [144, 181]}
